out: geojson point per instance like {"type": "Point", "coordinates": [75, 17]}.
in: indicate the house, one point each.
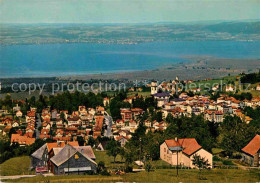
{"type": "Point", "coordinates": [136, 112]}
{"type": "Point", "coordinates": [122, 140]}
{"type": "Point", "coordinates": [70, 160]}
{"type": "Point", "coordinates": [120, 123]}
{"type": "Point", "coordinates": [22, 140]}
{"type": "Point", "coordinates": [106, 101]}
{"type": "Point", "coordinates": [19, 114]}
{"type": "Point", "coordinates": [229, 89]}
{"type": "Point", "coordinates": [16, 124]}
{"type": "Point", "coordinates": [258, 88]}
{"type": "Point", "coordinates": [102, 146]}
{"type": "Point", "coordinates": [54, 114]}
{"type": "Point", "coordinates": [46, 117]}
{"type": "Point", "coordinates": [7, 129]}
{"type": "Point", "coordinates": [74, 121]}
{"type": "Point", "coordinates": [251, 152]}
{"type": "Point", "coordinates": [154, 88]}
{"type": "Point", "coordinates": [214, 116]}
{"type": "Point", "coordinates": [44, 134]}
{"type": "Point", "coordinates": [99, 119]}
{"type": "Point", "coordinates": [189, 147]}
{"type": "Point", "coordinates": [39, 158]}
{"type": "Point", "coordinates": [126, 114]}
{"type": "Point", "coordinates": [16, 108]}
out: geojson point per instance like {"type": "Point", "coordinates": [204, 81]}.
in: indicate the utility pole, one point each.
{"type": "Point", "coordinates": [140, 150]}
{"type": "Point", "coordinates": [68, 160]}
{"type": "Point", "coordinates": [177, 165]}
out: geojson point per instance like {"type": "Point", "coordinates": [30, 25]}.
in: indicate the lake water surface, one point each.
{"type": "Point", "coordinates": [88, 58]}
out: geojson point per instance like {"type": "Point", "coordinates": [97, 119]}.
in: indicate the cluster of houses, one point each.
{"type": "Point", "coordinates": [212, 110]}
{"type": "Point", "coordinates": [65, 156]}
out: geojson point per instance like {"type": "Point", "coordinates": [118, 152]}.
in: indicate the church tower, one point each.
{"type": "Point", "coordinates": [154, 88]}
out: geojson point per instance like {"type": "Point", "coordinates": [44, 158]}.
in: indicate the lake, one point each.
{"type": "Point", "coordinates": [89, 58]}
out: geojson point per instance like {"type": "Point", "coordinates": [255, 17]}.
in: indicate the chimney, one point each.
{"type": "Point", "coordinates": [59, 143]}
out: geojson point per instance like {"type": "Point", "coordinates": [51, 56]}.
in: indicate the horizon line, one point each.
{"type": "Point", "coordinates": [157, 22]}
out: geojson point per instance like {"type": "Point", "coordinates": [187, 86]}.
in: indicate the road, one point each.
{"type": "Point", "coordinates": [15, 177]}
{"type": "Point", "coordinates": [108, 121]}
{"type": "Point", "coordinates": [37, 125]}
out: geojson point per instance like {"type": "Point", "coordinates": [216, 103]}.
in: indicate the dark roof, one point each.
{"type": "Point", "coordinates": [178, 100]}
{"type": "Point", "coordinates": [161, 94]}
{"type": "Point", "coordinates": [104, 144]}
{"type": "Point", "coordinates": [39, 152]}
{"type": "Point", "coordinates": [67, 152]}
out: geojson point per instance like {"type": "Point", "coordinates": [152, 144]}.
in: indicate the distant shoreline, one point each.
{"type": "Point", "coordinates": [199, 67]}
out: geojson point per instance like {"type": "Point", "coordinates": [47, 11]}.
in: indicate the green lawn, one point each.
{"type": "Point", "coordinates": [108, 160]}
{"type": "Point", "coordinates": [16, 166]}
{"type": "Point", "coordinates": [144, 94]}
{"type": "Point", "coordinates": [162, 175]}
{"type": "Point", "coordinates": [216, 150]}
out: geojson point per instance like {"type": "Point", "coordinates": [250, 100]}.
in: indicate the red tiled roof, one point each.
{"type": "Point", "coordinates": [22, 139]}
{"type": "Point", "coordinates": [99, 122]}
{"type": "Point", "coordinates": [253, 146]}
{"type": "Point", "coordinates": [50, 146]}
{"type": "Point", "coordinates": [31, 113]}
{"type": "Point", "coordinates": [136, 110]}
{"type": "Point", "coordinates": [189, 145]}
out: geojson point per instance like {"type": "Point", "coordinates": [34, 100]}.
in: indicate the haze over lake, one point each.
{"type": "Point", "coordinates": [90, 58]}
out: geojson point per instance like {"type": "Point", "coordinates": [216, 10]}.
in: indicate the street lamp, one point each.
{"type": "Point", "coordinates": [176, 149]}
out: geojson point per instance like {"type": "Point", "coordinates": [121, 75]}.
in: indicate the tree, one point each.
{"type": "Point", "coordinates": [148, 166]}
{"type": "Point", "coordinates": [169, 118]}
{"type": "Point", "coordinates": [235, 134]}
{"type": "Point", "coordinates": [113, 148]}
{"type": "Point", "coordinates": [201, 163]}
{"type": "Point", "coordinates": [62, 116]}
{"type": "Point", "coordinates": [91, 141]}
{"type": "Point", "coordinates": [100, 167]}
{"type": "Point", "coordinates": [80, 140]}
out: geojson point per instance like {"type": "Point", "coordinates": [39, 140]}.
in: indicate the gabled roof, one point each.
{"type": "Point", "coordinates": [39, 152]}
{"type": "Point", "coordinates": [253, 146]}
{"type": "Point", "coordinates": [189, 145]}
{"type": "Point", "coordinates": [67, 152]}
{"type": "Point", "coordinates": [87, 150]}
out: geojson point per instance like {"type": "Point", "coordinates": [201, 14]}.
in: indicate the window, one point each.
{"type": "Point", "coordinates": [76, 156]}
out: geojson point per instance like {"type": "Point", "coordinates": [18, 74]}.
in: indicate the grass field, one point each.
{"type": "Point", "coordinates": [20, 165]}
{"type": "Point", "coordinates": [162, 175]}
{"type": "Point", "coordinates": [16, 166]}
{"type": "Point", "coordinates": [108, 160]}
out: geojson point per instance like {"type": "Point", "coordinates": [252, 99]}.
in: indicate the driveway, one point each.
{"type": "Point", "coordinates": [15, 177]}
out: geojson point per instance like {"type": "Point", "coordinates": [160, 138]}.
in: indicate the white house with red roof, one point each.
{"type": "Point", "coordinates": [251, 152]}
{"type": "Point", "coordinates": [189, 146]}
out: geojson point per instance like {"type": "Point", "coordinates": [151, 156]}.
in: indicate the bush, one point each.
{"type": "Point", "coordinates": [227, 162]}
{"type": "Point", "coordinates": [237, 156]}
{"type": "Point", "coordinates": [216, 158]}
{"type": "Point", "coordinates": [148, 167]}
{"type": "Point", "coordinates": [105, 172]}
{"type": "Point", "coordinates": [128, 169]}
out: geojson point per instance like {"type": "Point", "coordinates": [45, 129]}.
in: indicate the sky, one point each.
{"type": "Point", "coordinates": [126, 11]}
